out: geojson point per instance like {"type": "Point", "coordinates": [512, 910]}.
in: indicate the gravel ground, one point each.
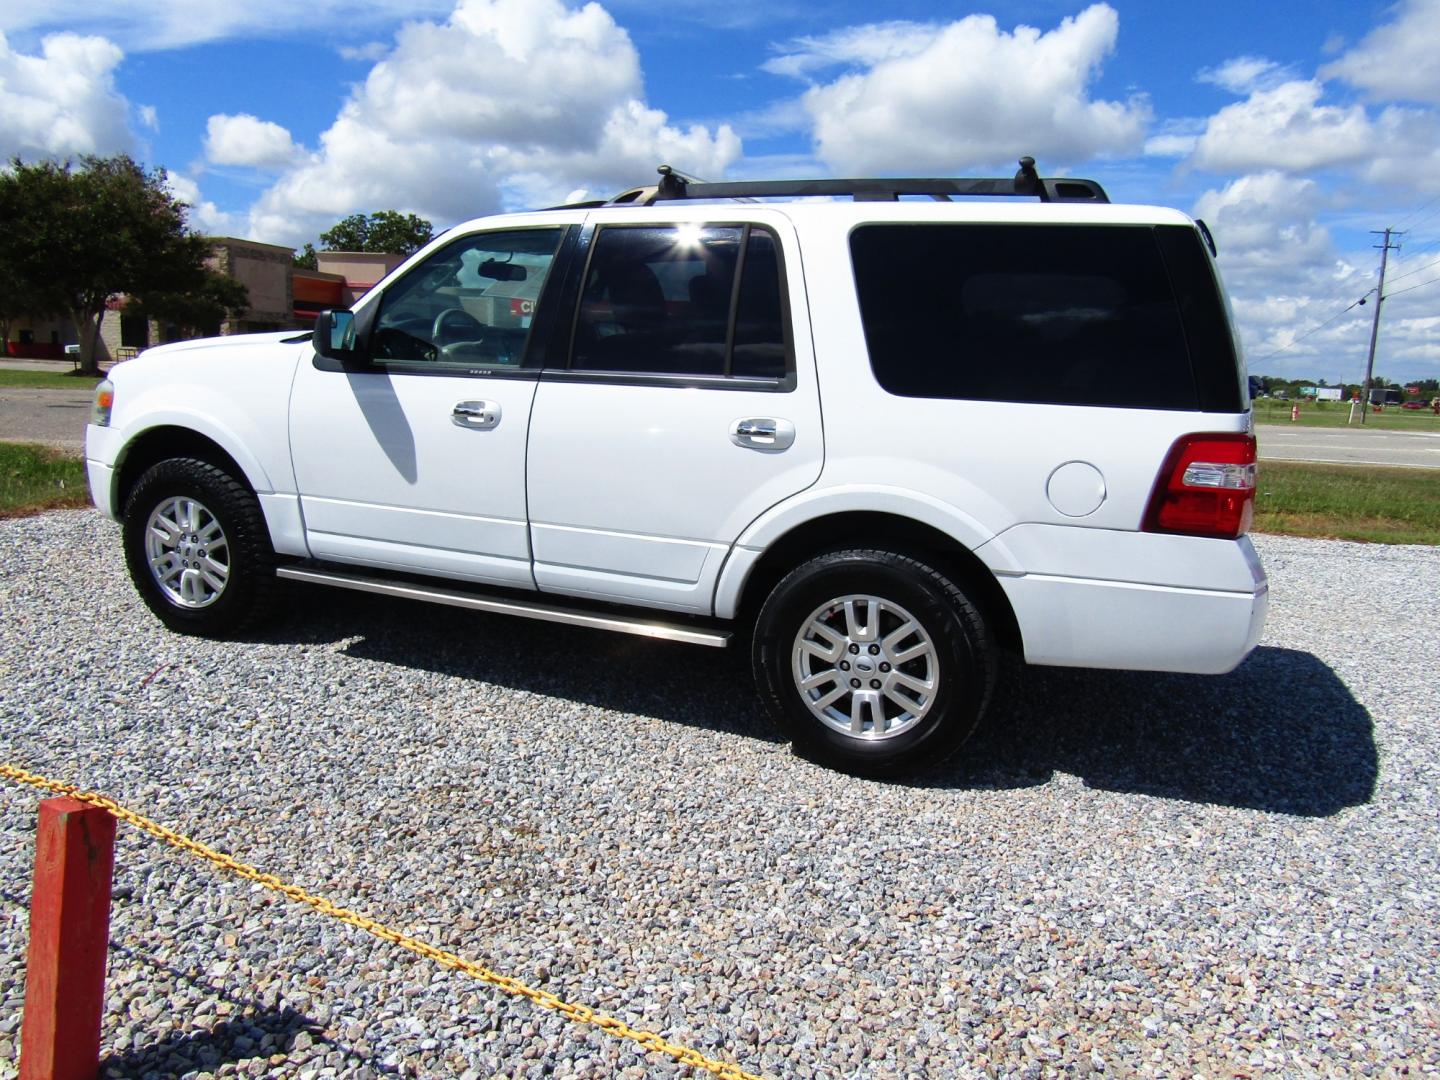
{"type": "Point", "coordinates": [1128, 874]}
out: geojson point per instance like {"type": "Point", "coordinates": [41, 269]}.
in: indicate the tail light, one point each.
{"type": "Point", "coordinates": [1206, 487]}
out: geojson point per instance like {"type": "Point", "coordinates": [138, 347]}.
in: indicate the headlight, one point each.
{"type": "Point", "coordinates": [104, 402]}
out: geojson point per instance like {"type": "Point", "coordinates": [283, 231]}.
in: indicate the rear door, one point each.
{"type": "Point", "coordinates": [683, 405]}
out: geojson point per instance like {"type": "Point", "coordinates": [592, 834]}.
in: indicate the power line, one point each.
{"type": "Point", "coordinates": [1416, 249]}
{"type": "Point", "coordinates": [1412, 273]}
{"type": "Point", "coordinates": [1409, 273]}
{"type": "Point", "coordinates": [1427, 203]}
{"type": "Point", "coordinates": [1427, 217]}
{"type": "Point", "coordinates": [1412, 288]}
{"type": "Point", "coordinates": [1312, 330]}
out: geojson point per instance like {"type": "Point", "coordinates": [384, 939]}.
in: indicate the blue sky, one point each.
{"type": "Point", "coordinates": [1294, 129]}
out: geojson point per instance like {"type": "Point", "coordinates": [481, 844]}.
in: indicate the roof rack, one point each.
{"type": "Point", "coordinates": [1026, 183]}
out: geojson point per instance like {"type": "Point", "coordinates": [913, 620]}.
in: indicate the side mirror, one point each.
{"type": "Point", "coordinates": [335, 335]}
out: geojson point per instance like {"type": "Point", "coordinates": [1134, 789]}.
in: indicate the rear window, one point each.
{"type": "Point", "coordinates": [1051, 314]}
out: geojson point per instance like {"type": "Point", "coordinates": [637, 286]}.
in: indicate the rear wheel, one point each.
{"type": "Point", "coordinates": [872, 661]}
{"type": "Point", "coordinates": [198, 549]}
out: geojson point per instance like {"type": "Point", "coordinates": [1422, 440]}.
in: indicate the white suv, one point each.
{"type": "Point", "coordinates": [882, 439]}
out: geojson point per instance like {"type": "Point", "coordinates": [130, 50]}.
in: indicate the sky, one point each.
{"type": "Point", "coordinates": [1295, 130]}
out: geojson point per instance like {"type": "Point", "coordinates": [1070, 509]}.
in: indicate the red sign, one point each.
{"type": "Point", "coordinates": [521, 307]}
{"type": "Point", "coordinates": [1413, 391]}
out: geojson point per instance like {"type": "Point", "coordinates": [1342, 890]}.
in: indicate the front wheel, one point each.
{"type": "Point", "coordinates": [873, 662]}
{"type": "Point", "coordinates": [198, 549]}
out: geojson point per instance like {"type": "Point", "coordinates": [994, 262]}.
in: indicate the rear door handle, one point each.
{"type": "Point", "coordinates": [762, 433]}
{"type": "Point", "coordinates": [480, 415]}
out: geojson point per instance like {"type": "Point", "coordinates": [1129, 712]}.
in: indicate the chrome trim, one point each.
{"type": "Point", "coordinates": [477, 415]}
{"type": "Point", "coordinates": [624, 624]}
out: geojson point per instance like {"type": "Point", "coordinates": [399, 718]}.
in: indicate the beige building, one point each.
{"type": "Point", "coordinates": [282, 297]}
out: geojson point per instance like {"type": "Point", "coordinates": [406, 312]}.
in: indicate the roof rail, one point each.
{"type": "Point", "coordinates": [1027, 182]}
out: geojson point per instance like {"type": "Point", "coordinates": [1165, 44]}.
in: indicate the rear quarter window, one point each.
{"type": "Point", "coordinates": [1051, 314]}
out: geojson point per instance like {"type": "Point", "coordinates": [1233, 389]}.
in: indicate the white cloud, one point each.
{"type": "Point", "coordinates": [1246, 74]}
{"type": "Point", "coordinates": [1175, 137]}
{"type": "Point", "coordinates": [1267, 220]}
{"type": "Point", "coordinates": [1407, 157]}
{"type": "Point", "coordinates": [1399, 60]}
{"type": "Point", "coordinates": [204, 216]}
{"type": "Point", "coordinates": [971, 95]}
{"type": "Point", "coordinates": [63, 101]}
{"type": "Point", "coordinates": [508, 102]}
{"type": "Point", "coordinates": [863, 46]}
{"type": "Point", "coordinates": [1176, 146]}
{"type": "Point", "coordinates": [149, 117]}
{"type": "Point", "coordinates": [1286, 276]}
{"type": "Point", "coordinates": [248, 141]}
{"type": "Point", "coordinates": [142, 25]}
{"type": "Point", "coordinates": [1284, 128]}
{"type": "Point", "coordinates": [373, 50]}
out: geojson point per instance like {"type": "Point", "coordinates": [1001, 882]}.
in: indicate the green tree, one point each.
{"type": "Point", "coordinates": [17, 299]}
{"type": "Point", "coordinates": [19, 296]}
{"type": "Point", "coordinates": [77, 237]}
{"type": "Point", "coordinates": [196, 311]}
{"type": "Point", "coordinates": [386, 231]}
{"type": "Point", "coordinates": [306, 259]}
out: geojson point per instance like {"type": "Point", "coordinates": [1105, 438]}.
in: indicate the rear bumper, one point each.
{"type": "Point", "coordinates": [1107, 624]}
{"type": "Point", "coordinates": [1069, 620]}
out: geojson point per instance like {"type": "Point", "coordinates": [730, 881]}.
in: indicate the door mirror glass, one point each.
{"type": "Point", "coordinates": [335, 334]}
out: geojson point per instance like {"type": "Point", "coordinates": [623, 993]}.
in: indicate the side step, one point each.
{"type": "Point", "coordinates": [624, 624]}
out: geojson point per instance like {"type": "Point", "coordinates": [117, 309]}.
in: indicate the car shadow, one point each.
{"type": "Point", "coordinates": [694, 685]}
{"type": "Point", "coordinates": [1282, 733]}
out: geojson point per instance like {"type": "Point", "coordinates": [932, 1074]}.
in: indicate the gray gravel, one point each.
{"type": "Point", "coordinates": [1129, 874]}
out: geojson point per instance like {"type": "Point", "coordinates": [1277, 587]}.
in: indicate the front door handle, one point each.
{"type": "Point", "coordinates": [762, 433]}
{"type": "Point", "coordinates": [480, 415]}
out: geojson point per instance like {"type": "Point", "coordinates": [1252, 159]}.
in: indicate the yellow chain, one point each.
{"type": "Point", "coordinates": [580, 1014]}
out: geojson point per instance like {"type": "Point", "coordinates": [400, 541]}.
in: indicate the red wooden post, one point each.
{"type": "Point", "coordinates": [69, 938]}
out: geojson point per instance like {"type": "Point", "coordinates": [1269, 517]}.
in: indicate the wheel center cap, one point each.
{"type": "Point", "coordinates": [864, 665]}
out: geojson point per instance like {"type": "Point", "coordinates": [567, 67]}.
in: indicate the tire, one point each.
{"type": "Point", "coordinates": [836, 621]}
{"type": "Point", "coordinates": [198, 549]}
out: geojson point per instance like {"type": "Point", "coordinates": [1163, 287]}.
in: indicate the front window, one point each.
{"type": "Point", "coordinates": [470, 304]}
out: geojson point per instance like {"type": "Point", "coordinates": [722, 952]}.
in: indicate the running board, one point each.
{"type": "Point", "coordinates": [624, 624]}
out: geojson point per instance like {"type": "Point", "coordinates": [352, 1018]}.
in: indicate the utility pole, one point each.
{"type": "Point", "coordinates": [1385, 249]}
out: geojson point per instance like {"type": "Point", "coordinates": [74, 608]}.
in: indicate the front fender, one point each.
{"type": "Point", "coordinates": [218, 431]}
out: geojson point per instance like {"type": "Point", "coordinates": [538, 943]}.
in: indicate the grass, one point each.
{"type": "Point", "coordinates": [35, 478]}
{"type": "Point", "coordinates": [1347, 502]}
{"type": "Point", "coordinates": [47, 380]}
{"type": "Point", "coordinates": [1337, 414]}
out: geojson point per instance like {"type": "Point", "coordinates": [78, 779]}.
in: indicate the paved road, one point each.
{"type": "Point", "coordinates": [56, 417]}
{"type": "Point", "coordinates": [1349, 446]}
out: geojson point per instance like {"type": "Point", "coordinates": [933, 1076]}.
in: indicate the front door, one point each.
{"type": "Point", "coordinates": [687, 407]}
{"type": "Point", "coordinates": [415, 460]}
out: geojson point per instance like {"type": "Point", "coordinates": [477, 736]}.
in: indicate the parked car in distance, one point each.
{"type": "Point", "coordinates": [880, 442]}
